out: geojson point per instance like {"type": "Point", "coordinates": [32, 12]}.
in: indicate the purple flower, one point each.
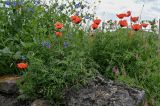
{"type": "Point", "coordinates": [65, 44]}
{"type": "Point", "coordinates": [78, 5]}
{"type": "Point", "coordinates": [46, 44]}
{"type": "Point", "coordinates": [8, 3]}
{"type": "Point", "coordinates": [36, 2]}
{"type": "Point", "coordinates": [87, 17]}
{"type": "Point", "coordinates": [15, 3]}
{"type": "Point", "coordinates": [49, 46]}
{"type": "Point", "coordinates": [115, 70]}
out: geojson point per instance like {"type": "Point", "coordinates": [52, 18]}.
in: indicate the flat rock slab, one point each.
{"type": "Point", "coordinates": [11, 100]}
{"type": "Point", "coordinates": [101, 92]}
{"type": "Point", "coordinates": [41, 102]}
{"type": "Point", "coordinates": [8, 84]}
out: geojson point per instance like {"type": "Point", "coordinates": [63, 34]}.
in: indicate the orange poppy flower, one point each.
{"type": "Point", "coordinates": [123, 23]}
{"type": "Point", "coordinates": [94, 26]}
{"type": "Point", "coordinates": [144, 25]}
{"type": "Point", "coordinates": [134, 19]}
{"type": "Point", "coordinates": [22, 65]}
{"type": "Point", "coordinates": [58, 25]}
{"type": "Point", "coordinates": [128, 13]}
{"type": "Point", "coordinates": [76, 19]}
{"type": "Point", "coordinates": [97, 21]}
{"type": "Point", "coordinates": [58, 34]}
{"type": "Point", "coordinates": [136, 27]}
{"type": "Point", "coordinates": [121, 16]}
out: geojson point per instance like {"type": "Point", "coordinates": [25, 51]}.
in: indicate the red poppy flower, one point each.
{"type": "Point", "coordinates": [123, 23]}
{"type": "Point", "coordinates": [144, 25]}
{"type": "Point", "coordinates": [136, 27]}
{"type": "Point", "coordinates": [97, 21]}
{"type": "Point", "coordinates": [22, 65]}
{"type": "Point", "coordinates": [76, 19]}
{"type": "Point", "coordinates": [58, 34]}
{"type": "Point", "coordinates": [134, 19]}
{"type": "Point", "coordinates": [121, 16]}
{"type": "Point", "coordinates": [58, 25]}
{"type": "Point", "coordinates": [128, 13]}
{"type": "Point", "coordinates": [94, 26]}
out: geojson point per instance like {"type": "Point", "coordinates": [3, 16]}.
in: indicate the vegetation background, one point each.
{"type": "Point", "coordinates": [55, 64]}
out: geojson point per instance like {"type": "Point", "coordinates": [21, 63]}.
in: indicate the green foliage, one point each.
{"type": "Point", "coordinates": [136, 58]}
{"type": "Point", "coordinates": [53, 71]}
{"type": "Point", "coordinates": [22, 27]}
{"type": "Point", "coordinates": [24, 24]}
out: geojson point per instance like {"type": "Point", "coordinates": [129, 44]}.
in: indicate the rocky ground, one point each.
{"type": "Point", "coordinates": [98, 92]}
{"type": "Point", "coordinates": [10, 100]}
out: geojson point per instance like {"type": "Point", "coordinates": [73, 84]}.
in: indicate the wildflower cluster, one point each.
{"type": "Point", "coordinates": [134, 21]}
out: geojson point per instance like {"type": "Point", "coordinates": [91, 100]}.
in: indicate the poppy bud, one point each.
{"type": "Point", "coordinates": [58, 34]}
{"type": "Point", "coordinates": [134, 19]}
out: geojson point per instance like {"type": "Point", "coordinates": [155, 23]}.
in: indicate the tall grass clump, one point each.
{"type": "Point", "coordinates": [133, 59]}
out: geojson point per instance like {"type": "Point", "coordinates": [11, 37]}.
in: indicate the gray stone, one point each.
{"type": "Point", "coordinates": [102, 92]}
{"type": "Point", "coordinates": [8, 84]}
{"type": "Point", "coordinates": [11, 100]}
{"type": "Point", "coordinates": [41, 102]}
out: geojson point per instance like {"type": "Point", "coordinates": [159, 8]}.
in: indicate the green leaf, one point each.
{"type": "Point", "coordinates": [27, 45]}
{"type": "Point", "coordinates": [6, 50]}
{"type": "Point", "coordinates": [17, 55]}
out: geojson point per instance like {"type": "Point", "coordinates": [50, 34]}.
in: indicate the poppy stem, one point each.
{"type": "Point", "coordinates": [159, 27]}
{"type": "Point", "coordinates": [141, 11]}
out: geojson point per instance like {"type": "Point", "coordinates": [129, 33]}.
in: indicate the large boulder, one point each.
{"type": "Point", "coordinates": [101, 92]}
{"type": "Point", "coordinates": [98, 92]}
{"type": "Point", "coordinates": [9, 92]}
{"type": "Point", "coordinates": [8, 84]}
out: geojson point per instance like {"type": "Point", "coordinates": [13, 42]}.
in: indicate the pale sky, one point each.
{"type": "Point", "coordinates": [108, 8]}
